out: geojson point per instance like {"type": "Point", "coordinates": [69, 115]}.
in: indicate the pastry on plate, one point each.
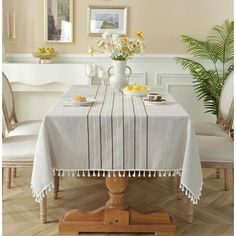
{"type": "Point", "coordinates": [80, 98]}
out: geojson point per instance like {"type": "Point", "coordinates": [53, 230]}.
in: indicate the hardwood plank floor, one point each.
{"type": "Point", "coordinates": [213, 216]}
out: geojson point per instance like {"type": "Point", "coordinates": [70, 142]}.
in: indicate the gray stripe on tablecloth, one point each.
{"type": "Point", "coordinates": [123, 120]}
{"type": "Point", "coordinates": [88, 126]}
{"type": "Point", "coordinates": [117, 120]}
{"type": "Point", "coordinates": [146, 134]}
{"type": "Point", "coordinates": [134, 132]}
{"type": "Point", "coordinates": [106, 132]}
{"type": "Point", "coordinates": [112, 109]}
{"type": "Point", "coordinates": [140, 134]}
{"type": "Point", "coordinates": [94, 129]}
{"type": "Point", "coordinates": [100, 124]}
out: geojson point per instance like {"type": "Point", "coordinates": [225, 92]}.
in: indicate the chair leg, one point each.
{"type": "Point", "coordinates": [178, 190]}
{"type": "Point", "coordinates": [226, 179]}
{"type": "Point", "coordinates": [218, 173]}
{"type": "Point", "coordinates": [43, 210]}
{"type": "Point", "coordinates": [14, 172]}
{"type": "Point", "coordinates": [8, 177]}
{"type": "Point", "coordinates": [189, 211]}
{"type": "Point", "coordinates": [56, 185]}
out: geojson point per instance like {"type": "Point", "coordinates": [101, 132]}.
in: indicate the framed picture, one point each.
{"type": "Point", "coordinates": [104, 18]}
{"type": "Point", "coordinates": [59, 21]}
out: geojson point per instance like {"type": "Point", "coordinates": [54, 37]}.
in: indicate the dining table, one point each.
{"type": "Point", "coordinates": [118, 137]}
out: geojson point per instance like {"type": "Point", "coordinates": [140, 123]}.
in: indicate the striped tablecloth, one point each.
{"type": "Point", "coordinates": [116, 135]}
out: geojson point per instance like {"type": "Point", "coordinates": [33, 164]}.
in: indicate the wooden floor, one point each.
{"type": "Point", "coordinates": [213, 216]}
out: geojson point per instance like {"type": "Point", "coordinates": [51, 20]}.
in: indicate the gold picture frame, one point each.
{"type": "Point", "coordinates": [58, 19]}
{"type": "Point", "coordinates": [106, 18]}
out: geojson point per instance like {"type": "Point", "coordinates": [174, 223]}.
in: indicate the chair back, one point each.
{"type": "Point", "coordinates": [8, 104]}
{"type": "Point", "coordinates": [226, 107]}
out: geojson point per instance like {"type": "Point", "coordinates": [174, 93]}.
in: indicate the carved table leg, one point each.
{"type": "Point", "coordinates": [56, 185]}
{"type": "Point", "coordinates": [189, 211]}
{"type": "Point", "coordinates": [43, 210]}
{"type": "Point", "coordinates": [116, 216]}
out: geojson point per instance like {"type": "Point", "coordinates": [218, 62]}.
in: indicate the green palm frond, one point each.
{"type": "Point", "coordinates": [218, 49]}
{"type": "Point", "coordinates": [223, 41]}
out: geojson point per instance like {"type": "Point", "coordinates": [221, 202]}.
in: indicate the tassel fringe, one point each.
{"type": "Point", "coordinates": [117, 173]}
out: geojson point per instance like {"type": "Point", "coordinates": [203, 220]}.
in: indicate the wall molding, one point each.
{"type": "Point", "coordinates": [33, 82]}
{"type": "Point", "coordinates": [85, 58]}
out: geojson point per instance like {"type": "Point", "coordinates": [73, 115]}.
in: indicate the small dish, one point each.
{"type": "Point", "coordinates": [137, 93]}
{"type": "Point", "coordinates": [146, 101]}
{"type": "Point", "coordinates": [72, 102]}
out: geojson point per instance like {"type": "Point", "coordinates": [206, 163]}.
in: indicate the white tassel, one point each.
{"type": "Point", "coordinates": [123, 173]}
{"type": "Point", "coordinates": [98, 173]}
{"type": "Point", "coordinates": [119, 174]}
{"type": "Point", "coordinates": [144, 174]}
{"type": "Point", "coordinates": [83, 174]}
{"type": "Point", "coordinates": [78, 174]}
{"type": "Point", "coordinates": [169, 174]}
{"type": "Point", "coordinates": [103, 173]}
{"type": "Point", "coordinates": [164, 174]}
{"type": "Point", "coordinates": [159, 174]}
{"type": "Point", "coordinates": [63, 173]}
{"type": "Point", "coordinates": [89, 174]}
{"type": "Point", "coordinates": [129, 174]}
{"type": "Point", "coordinates": [114, 174]}
{"type": "Point", "coordinates": [94, 174]}
{"type": "Point", "coordinates": [134, 174]}
{"type": "Point", "coordinates": [109, 175]}
{"type": "Point", "coordinates": [149, 175]}
{"type": "Point", "coordinates": [154, 174]}
{"type": "Point", "coordinates": [139, 174]}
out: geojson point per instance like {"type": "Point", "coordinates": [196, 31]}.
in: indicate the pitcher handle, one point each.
{"type": "Point", "coordinates": [130, 71]}
{"type": "Point", "coordinates": [109, 71]}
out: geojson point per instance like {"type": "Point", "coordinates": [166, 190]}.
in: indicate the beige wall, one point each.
{"type": "Point", "coordinates": [162, 22]}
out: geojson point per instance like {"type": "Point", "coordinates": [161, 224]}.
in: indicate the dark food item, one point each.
{"type": "Point", "coordinates": [155, 97]}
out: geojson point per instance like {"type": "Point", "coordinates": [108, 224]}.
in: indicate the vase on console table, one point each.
{"type": "Point", "coordinates": [119, 79]}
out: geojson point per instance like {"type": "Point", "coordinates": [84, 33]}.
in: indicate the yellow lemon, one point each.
{"type": "Point", "coordinates": [135, 87]}
{"type": "Point", "coordinates": [143, 88]}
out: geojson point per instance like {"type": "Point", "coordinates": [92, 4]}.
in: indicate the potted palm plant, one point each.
{"type": "Point", "coordinates": [219, 50]}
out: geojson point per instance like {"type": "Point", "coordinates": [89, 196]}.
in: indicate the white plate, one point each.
{"type": "Point", "coordinates": [138, 93]}
{"type": "Point", "coordinates": [153, 102]}
{"type": "Point", "coordinates": [71, 102]}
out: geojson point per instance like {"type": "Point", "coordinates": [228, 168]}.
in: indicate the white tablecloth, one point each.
{"type": "Point", "coordinates": [117, 134]}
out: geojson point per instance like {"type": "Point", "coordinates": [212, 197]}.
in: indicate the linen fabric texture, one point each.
{"type": "Point", "coordinates": [117, 133]}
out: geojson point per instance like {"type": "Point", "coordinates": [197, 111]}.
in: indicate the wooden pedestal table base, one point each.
{"type": "Point", "coordinates": [115, 216]}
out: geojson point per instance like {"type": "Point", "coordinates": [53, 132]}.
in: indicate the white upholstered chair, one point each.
{"type": "Point", "coordinates": [13, 127]}
{"type": "Point", "coordinates": [224, 120]}
{"type": "Point", "coordinates": [10, 125]}
{"type": "Point", "coordinates": [217, 152]}
{"type": "Point", "coordinates": [17, 151]}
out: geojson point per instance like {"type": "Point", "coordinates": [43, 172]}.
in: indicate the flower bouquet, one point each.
{"type": "Point", "coordinates": [119, 46]}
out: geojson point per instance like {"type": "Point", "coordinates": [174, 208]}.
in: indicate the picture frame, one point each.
{"type": "Point", "coordinates": [106, 18]}
{"type": "Point", "coordinates": [58, 19]}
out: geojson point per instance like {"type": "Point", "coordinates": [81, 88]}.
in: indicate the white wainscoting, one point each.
{"type": "Point", "coordinates": [37, 87]}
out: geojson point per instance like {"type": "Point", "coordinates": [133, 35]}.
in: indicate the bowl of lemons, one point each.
{"type": "Point", "coordinates": [44, 53]}
{"type": "Point", "coordinates": [136, 90]}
